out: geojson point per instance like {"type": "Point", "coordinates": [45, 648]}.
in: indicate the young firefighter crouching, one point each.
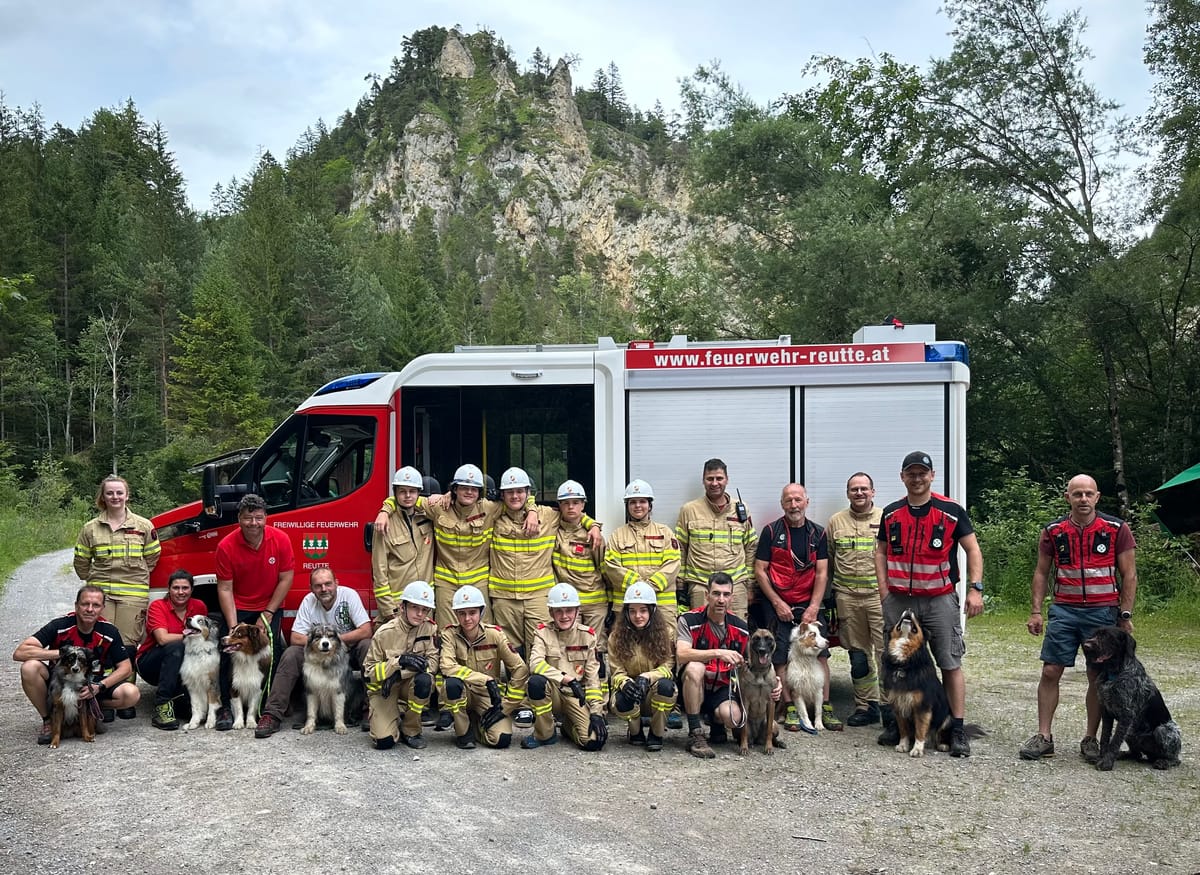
{"type": "Point", "coordinates": [471, 657]}
{"type": "Point", "coordinates": [565, 677]}
{"type": "Point", "coordinates": [400, 663]}
{"type": "Point", "coordinates": [642, 662]}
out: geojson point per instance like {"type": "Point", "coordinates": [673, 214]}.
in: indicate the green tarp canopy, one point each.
{"type": "Point", "coordinates": [1179, 502]}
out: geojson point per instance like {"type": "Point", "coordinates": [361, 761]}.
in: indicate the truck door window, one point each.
{"type": "Point", "coordinates": [316, 459]}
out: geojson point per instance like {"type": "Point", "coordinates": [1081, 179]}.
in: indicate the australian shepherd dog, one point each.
{"type": "Point", "coordinates": [913, 688]}
{"type": "Point", "coordinates": [250, 649]}
{"type": "Point", "coordinates": [67, 710]}
{"type": "Point", "coordinates": [326, 678]}
{"type": "Point", "coordinates": [805, 677]}
{"type": "Point", "coordinates": [200, 669]}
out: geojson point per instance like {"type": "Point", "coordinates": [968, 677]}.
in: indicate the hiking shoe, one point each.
{"type": "Point", "coordinates": [653, 742]}
{"type": "Point", "coordinates": [267, 726]}
{"type": "Point", "coordinates": [697, 746]}
{"type": "Point", "coordinates": [791, 719]}
{"type": "Point", "coordinates": [829, 719]}
{"type": "Point", "coordinates": [416, 742]}
{"type": "Point", "coordinates": [164, 717]}
{"type": "Point", "coordinates": [45, 732]}
{"type": "Point", "coordinates": [867, 716]}
{"type": "Point", "coordinates": [529, 742]}
{"type": "Point", "coordinates": [959, 746]}
{"type": "Point", "coordinates": [107, 715]}
{"type": "Point", "coordinates": [1037, 747]}
{"type": "Point", "coordinates": [1089, 749]}
{"type": "Point", "coordinates": [464, 742]}
{"type": "Point", "coordinates": [127, 713]}
{"type": "Point", "coordinates": [716, 734]}
{"type": "Point", "coordinates": [523, 718]}
{"type": "Point", "coordinates": [444, 721]}
{"type": "Point", "coordinates": [224, 720]}
{"type": "Point", "coordinates": [674, 720]}
{"type": "Point", "coordinates": [638, 737]}
{"type": "Point", "coordinates": [890, 737]}
{"type": "Point", "coordinates": [429, 718]}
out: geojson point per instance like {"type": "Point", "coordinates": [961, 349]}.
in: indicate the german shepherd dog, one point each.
{"type": "Point", "coordinates": [67, 710]}
{"type": "Point", "coordinates": [326, 678]}
{"type": "Point", "coordinates": [250, 649]}
{"type": "Point", "coordinates": [1132, 709]}
{"type": "Point", "coordinates": [757, 683]}
{"type": "Point", "coordinates": [201, 665]}
{"type": "Point", "coordinates": [913, 688]}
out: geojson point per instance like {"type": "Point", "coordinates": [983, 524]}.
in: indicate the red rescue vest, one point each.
{"type": "Point", "coordinates": [1085, 561]}
{"type": "Point", "coordinates": [918, 548]}
{"type": "Point", "coordinates": [704, 637]}
{"type": "Point", "coordinates": [793, 577]}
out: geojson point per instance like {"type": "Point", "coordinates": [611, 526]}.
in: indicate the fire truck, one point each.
{"type": "Point", "coordinates": [601, 414]}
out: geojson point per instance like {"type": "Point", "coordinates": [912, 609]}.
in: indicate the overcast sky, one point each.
{"type": "Point", "coordinates": [229, 78]}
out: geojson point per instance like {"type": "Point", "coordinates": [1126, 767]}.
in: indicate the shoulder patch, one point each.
{"type": "Point", "coordinates": [591, 631]}
{"type": "Point", "coordinates": [497, 628]}
{"type": "Point", "coordinates": [541, 625]}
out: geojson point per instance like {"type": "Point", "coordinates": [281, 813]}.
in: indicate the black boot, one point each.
{"type": "Point", "coordinates": [890, 737]}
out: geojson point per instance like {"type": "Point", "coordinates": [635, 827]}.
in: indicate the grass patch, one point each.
{"type": "Point", "coordinates": [24, 535]}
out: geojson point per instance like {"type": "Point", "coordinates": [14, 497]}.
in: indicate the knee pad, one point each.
{"type": "Point", "coordinates": [860, 666]}
{"type": "Point", "coordinates": [623, 702]}
{"type": "Point", "coordinates": [536, 687]}
{"type": "Point", "coordinates": [666, 688]}
{"type": "Point", "coordinates": [454, 688]}
{"type": "Point", "coordinates": [385, 743]}
{"type": "Point", "coordinates": [504, 740]}
{"type": "Point", "coordinates": [423, 685]}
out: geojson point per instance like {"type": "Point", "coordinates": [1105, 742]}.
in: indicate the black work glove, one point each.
{"type": "Point", "coordinates": [631, 689]}
{"type": "Point", "coordinates": [598, 732]}
{"type": "Point", "coordinates": [388, 683]}
{"type": "Point", "coordinates": [609, 619]}
{"type": "Point", "coordinates": [491, 717]}
{"type": "Point", "coordinates": [643, 687]}
{"type": "Point", "coordinates": [413, 662]}
{"type": "Point", "coordinates": [493, 689]}
{"type": "Point", "coordinates": [577, 690]}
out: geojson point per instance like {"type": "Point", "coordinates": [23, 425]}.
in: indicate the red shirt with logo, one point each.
{"type": "Point", "coordinates": [255, 573]}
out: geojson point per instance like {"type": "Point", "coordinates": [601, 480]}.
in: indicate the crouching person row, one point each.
{"type": "Point", "coordinates": [565, 677]}
{"type": "Point", "coordinates": [472, 654]}
{"type": "Point", "coordinates": [399, 668]}
{"type": "Point", "coordinates": [641, 653]}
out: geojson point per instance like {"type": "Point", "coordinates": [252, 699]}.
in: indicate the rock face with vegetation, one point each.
{"type": "Point", "coordinates": [515, 149]}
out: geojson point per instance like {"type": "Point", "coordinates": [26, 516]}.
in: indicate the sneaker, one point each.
{"type": "Point", "coordinates": [717, 735]}
{"type": "Point", "coordinates": [1089, 749]}
{"type": "Point", "coordinates": [45, 732]}
{"type": "Point", "coordinates": [224, 720]}
{"type": "Point", "coordinates": [429, 718]}
{"type": "Point", "coordinates": [529, 742]}
{"type": "Point", "coordinates": [791, 719]}
{"type": "Point", "coordinates": [638, 737]}
{"type": "Point", "coordinates": [444, 721]}
{"type": "Point", "coordinates": [867, 716]}
{"type": "Point", "coordinates": [829, 719]}
{"type": "Point", "coordinates": [523, 718]}
{"type": "Point", "coordinates": [1037, 747]}
{"type": "Point", "coordinates": [464, 742]}
{"type": "Point", "coordinates": [697, 746]}
{"type": "Point", "coordinates": [267, 726]}
{"type": "Point", "coordinates": [674, 720]}
{"type": "Point", "coordinates": [959, 746]}
{"type": "Point", "coordinates": [416, 742]}
{"type": "Point", "coordinates": [164, 717]}
{"type": "Point", "coordinates": [127, 713]}
{"type": "Point", "coordinates": [653, 742]}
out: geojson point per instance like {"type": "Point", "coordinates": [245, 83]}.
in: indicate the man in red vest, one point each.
{"type": "Point", "coordinates": [1095, 582]}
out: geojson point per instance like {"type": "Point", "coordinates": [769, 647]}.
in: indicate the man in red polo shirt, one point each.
{"type": "Point", "coordinates": [254, 573]}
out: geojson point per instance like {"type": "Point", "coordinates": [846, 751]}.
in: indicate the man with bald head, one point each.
{"type": "Point", "coordinates": [1095, 582]}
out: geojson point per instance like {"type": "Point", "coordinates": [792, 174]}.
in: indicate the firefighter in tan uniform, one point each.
{"type": "Point", "coordinates": [579, 562]}
{"type": "Point", "coordinates": [472, 654]}
{"type": "Point", "coordinates": [400, 665]}
{"type": "Point", "coordinates": [404, 551]}
{"type": "Point", "coordinates": [642, 550]}
{"type": "Point", "coordinates": [642, 660]}
{"type": "Point", "coordinates": [521, 570]}
{"type": "Point", "coordinates": [564, 677]}
{"type": "Point", "coordinates": [116, 551]}
{"type": "Point", "coordinates": [715, 534]}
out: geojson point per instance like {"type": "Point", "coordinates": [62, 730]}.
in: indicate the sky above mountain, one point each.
{"type": "Point", "coordinates": [231, 78]}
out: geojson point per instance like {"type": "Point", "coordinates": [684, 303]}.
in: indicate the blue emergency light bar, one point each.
{"type": "Point", "coordinates": [354, 381]}
{"type": "Point", "coordinates": [947, 351]}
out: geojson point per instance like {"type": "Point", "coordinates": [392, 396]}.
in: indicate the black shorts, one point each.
{"type": "Point", "coordinates": [713, 699]}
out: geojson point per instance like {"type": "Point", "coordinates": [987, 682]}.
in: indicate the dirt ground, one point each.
{"type": "Point", "coordinates": [143, 800]}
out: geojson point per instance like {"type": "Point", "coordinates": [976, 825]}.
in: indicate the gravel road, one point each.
{"type": "Point", "coordinates": [142, 800]}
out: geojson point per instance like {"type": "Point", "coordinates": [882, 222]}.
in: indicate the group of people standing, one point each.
{"type": "Point", "coordinates": [507, 612]}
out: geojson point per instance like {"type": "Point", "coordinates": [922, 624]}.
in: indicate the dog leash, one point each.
{"type": "Point", "coordinates": [735, 684]}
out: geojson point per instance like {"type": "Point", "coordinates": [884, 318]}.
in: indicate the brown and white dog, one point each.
{"type": "Point", "coordinates": [200, 669]}
{"type": "Point", "coordinates": [913, 688]}
{"type": "Point", "coordinates": [757, 682]}
{"type": "Point", "coordinates": [805, 677]}
{"type": "Point", "coordinates": [250, 649]}
{"type": "Point", "coordinates": [326, 678]}
{"type": "Point", "coordinates": [67, 710]}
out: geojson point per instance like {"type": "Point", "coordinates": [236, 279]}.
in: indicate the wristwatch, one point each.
{"type": "Point", "coordinates": [1126, 615]}
{"type": "Point", "coordinates": [976, 585]}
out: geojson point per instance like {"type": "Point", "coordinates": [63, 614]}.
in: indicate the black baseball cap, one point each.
{"type": "Point", "coordinates": [917, 458]}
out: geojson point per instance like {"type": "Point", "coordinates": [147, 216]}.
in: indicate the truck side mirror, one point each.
{"type": "Point", "coordinates": [208, 491]}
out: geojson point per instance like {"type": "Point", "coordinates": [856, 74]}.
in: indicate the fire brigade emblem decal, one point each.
{"type": "Point", "coordinates": [315, 544]}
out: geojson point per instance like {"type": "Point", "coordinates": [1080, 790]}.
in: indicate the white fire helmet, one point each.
{"type": "Point", "coordinates": [638, 489]}
{"type": "Point", "coordinates": [640, 593]}
{"type": "Point", "coordinates": [408, 476]}
{"type": "Point", "coordinates": [418, 593]}
{"type": "Point", "coordinates": [562, 595]}
{"type": "Point", "coordinates": [571, 489]}
{"type": "Point", "coordinates": [515, 478]}
{"type": "Point", "coordinates": [467, 597]}
{"type": "Point", "coordinates": [468, 475]}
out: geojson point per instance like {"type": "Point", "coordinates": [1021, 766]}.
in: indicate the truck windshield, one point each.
{"type": "Point", "coordinates": [312, 459]}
